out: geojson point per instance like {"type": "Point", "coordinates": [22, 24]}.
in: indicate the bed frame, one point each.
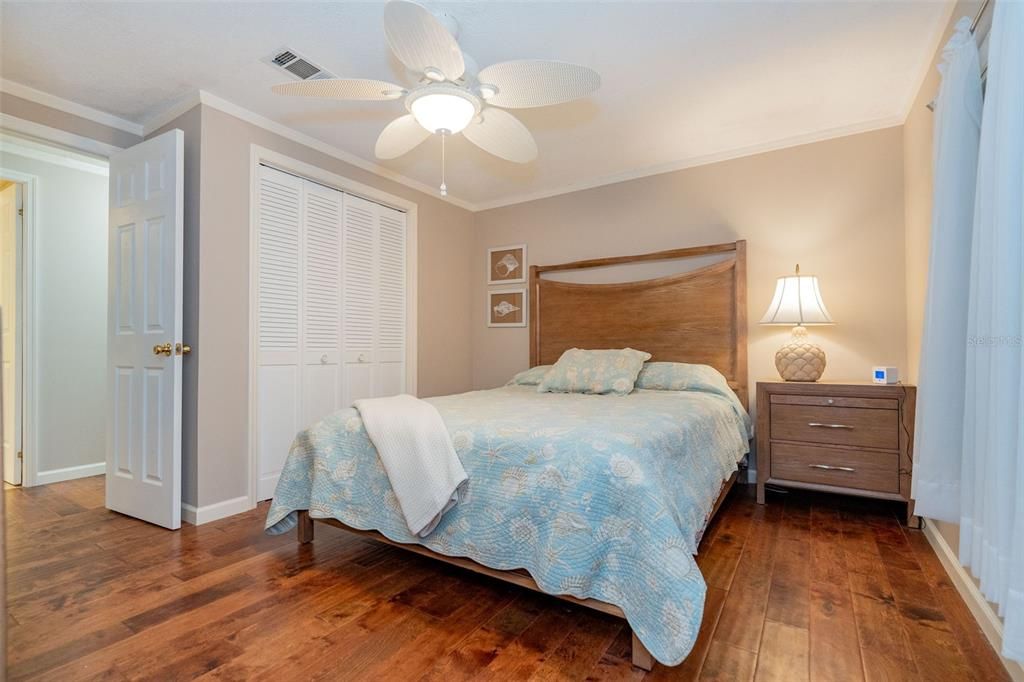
{"type": "Point", "coordinates": [699, 316]}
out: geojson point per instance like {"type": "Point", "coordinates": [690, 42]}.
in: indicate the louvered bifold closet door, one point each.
{"type": "Point", "coordinates": [321, 310]}
{"type": "Point", "coordinates": [391, 302]}
{"type": "Point", "coordinates": [359, 299]}
{"type": "Point", "coordinates": [279, 340]}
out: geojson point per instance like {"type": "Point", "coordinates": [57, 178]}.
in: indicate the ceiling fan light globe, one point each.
{"type": "Point", "coordinates": [445, 111]}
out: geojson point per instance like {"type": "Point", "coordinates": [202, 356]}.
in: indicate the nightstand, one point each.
{"type": "Point", "coordinates": [855, 439]}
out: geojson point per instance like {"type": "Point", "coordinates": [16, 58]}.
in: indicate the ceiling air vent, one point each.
{"type": "Point", "coordinates": [297, 65]}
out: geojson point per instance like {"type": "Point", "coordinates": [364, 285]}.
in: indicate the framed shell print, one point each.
{"type": "Point", "coordinates": [506, 308]}
{"type": "Point", "coordinates": [506, 264]}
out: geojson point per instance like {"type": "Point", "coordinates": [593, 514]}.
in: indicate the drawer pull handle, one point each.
{"type": "Point", "coordinates": [829, 467]}
{"type": "Point", "coordinates": [829, 426]}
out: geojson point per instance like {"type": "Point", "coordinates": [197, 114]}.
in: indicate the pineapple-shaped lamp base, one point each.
{"type": "Point", "coordinates": [800, 360]}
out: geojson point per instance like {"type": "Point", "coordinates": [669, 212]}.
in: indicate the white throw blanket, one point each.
{"type": "Point", "coordinates": [418, 456]}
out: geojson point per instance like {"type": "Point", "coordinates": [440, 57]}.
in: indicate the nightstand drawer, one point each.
{"type": "Point", "coordinates": [855, 426]}
{"type": "Point", "coordinates": [836, 401]}
{"type": "Point", "coordinates": [860, 469]}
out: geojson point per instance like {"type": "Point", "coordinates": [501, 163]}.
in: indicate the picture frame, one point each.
{"type": "Point", "coordinates": [507, 264]}
{"type": "Point", "coordinates": [507, 308]}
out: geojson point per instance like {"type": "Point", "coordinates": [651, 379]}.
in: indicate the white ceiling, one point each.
{"type": "Point", "coordinates": [683, 82]}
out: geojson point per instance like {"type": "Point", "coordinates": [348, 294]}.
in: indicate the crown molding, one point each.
{"type": "Point", "coordinates": [197, 97]}
{"type": "Point", "coordinates": [683, 164]}
{"type": "Point", "coordinates": [67, 106]}
{"type": "Point", "coordinates": [171, 112]}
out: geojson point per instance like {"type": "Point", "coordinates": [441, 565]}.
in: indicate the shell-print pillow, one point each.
{"type": "Point", "coordinates": [681, 376]}
{"type": "Point", "coordinates": [595, 371]}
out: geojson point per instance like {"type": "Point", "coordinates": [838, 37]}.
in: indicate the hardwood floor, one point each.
{"type": "Point", "coordinates": [807, 587]}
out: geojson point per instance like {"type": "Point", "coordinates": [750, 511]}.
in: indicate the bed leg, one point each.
{"type": "Point", "coordinates": [305, 528]}
{"type": "Point", "coordinates": [641, 656]}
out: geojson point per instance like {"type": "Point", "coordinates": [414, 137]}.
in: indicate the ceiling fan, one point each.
{"type": "Point", "coordinates": [452, 96]}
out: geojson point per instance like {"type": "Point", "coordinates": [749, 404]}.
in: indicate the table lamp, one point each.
{"type": "Point", "coordinates": [797, 302]}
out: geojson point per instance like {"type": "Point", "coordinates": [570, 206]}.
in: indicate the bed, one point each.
{"type": "Point", "coordinates": [600, 500]}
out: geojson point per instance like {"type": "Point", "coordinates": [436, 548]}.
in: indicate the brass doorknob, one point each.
{"type": "Point", "coordinates": [182, 348]}
{"type": "Point", "coordinates": [162, 349]}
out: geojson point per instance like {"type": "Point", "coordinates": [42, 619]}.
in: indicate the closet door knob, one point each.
{"type": "Point", "coordinates": [162, 349]}
{"type": "Point", "coordinates": [362, 357]}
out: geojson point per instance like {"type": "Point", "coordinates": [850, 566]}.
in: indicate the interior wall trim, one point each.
{"type": "Point", "coordinates": [70, 473]}
{"type": "Point", "coordinates": [982, 611]}
{"type": "Point", "coordinates": [69, 107]}
{"type": "Point", "coordinates": [197, 516]}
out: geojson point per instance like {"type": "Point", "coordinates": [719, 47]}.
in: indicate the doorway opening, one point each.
{"type": "Point", "coordinates": [53, 312]}
{"type": "Point", "coordinates": [12, 211]}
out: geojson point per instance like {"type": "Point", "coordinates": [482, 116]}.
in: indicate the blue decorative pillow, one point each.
{"type": "Point", "coordinates": [594, 371]}
{"type": "Point", "coordinates": [681, 376]}
{"type": "Point", "coordinates": [529, 377]}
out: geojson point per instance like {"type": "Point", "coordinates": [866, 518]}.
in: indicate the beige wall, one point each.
{"type": "Point", "coordinates": [836, 207]}
{"type": "Point", "coordinates": [917, 169]}
{"type": "Point", "coordinates": [444, 332]}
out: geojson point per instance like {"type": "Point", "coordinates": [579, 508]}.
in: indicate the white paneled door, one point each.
{"type": "Point", "coordinates": [330, 309]}
{"type": "Point", "coordinates": [145, 345]}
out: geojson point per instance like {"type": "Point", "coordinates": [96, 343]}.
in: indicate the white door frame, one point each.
{"type": "Point", "coordinates": [261, 155]}
{"type": "Point", "coordinates": [30, 185]}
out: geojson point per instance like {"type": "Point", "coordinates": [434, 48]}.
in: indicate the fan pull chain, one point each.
{"type": "Point", "coordinates": [444, 187]}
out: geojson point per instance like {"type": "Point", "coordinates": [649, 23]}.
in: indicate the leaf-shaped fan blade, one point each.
{"type": "Point", "coordinates": [503, 135]}
{"type": "Point", "coordinates": [538, 82]}
{"type": "Point", "coordinates": [342, 88]}
{"type": "Point", "coordinates": [420, 40]}
{"type": "Point", "coordinates": [400, 136]}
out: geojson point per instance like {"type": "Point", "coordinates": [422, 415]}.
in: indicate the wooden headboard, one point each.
{"type": "Point", "coordinates": [698, 316]}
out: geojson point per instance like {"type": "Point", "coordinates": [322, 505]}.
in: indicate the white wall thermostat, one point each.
{"type": "Point", "coordinates": [886, 375]}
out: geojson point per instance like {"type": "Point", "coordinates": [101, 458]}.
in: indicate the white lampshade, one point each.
{"type": "Point", "coordinates": [797, 300]}
{"type": "Point", "coordinates": [439, 111]}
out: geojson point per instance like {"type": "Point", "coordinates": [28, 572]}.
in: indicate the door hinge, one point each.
{"type": "Point", "coordinates": [21, 455]}
{"type": "Point", "coordinates": [21, 212]}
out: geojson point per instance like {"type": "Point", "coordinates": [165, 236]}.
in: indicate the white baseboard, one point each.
{"type": "Point", "coordinates": [197, 516]}
{"type": "Point", "coordinates": [69, 473]}
{"type": "Point", "coordinates": [982, 611]}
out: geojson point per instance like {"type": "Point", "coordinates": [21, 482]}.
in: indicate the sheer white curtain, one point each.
{"type": "Point", "coordinates": [940, 397]}
{"type": "Point", "coordinates": [992, 476]}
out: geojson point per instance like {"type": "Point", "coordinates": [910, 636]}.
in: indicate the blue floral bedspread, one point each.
{"type": "Point", "coordinates": [596, 496]}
